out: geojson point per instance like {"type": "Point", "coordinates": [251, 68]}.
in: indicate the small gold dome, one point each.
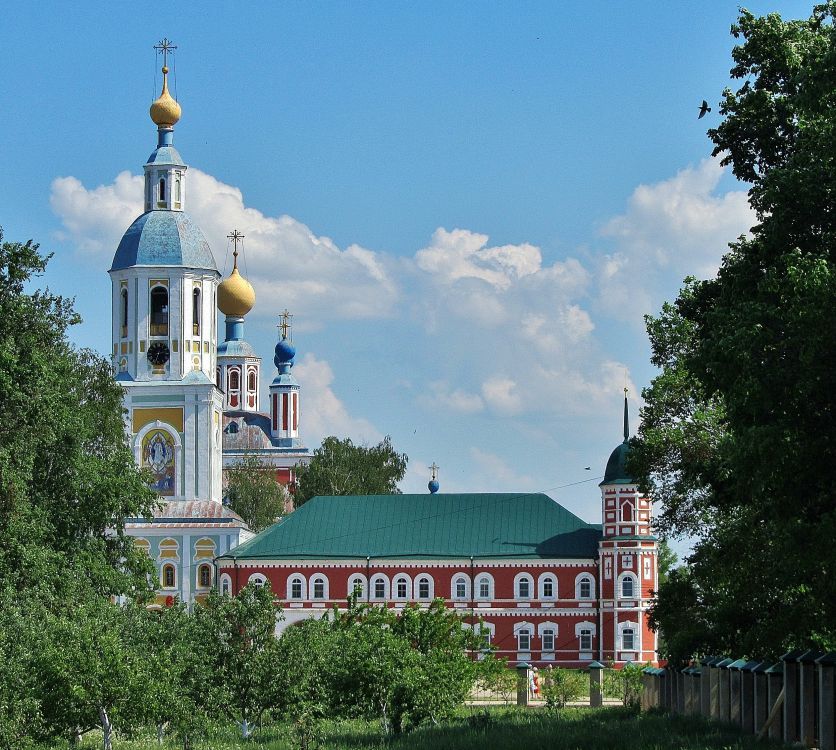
{"type": "Point", "coordinates": [165, 111]}
{"type": "Point", "coordinates": [236, 295]}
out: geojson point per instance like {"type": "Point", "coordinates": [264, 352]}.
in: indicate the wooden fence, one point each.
{"type": "Point", "coordinates": [792, 700]}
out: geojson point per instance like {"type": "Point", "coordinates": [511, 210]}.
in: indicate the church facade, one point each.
{"type": "Point", "coordinates": [540, 584]}
{"type": "Point", "coordinates": [179, 402]}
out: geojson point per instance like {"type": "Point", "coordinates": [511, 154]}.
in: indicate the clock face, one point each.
{"type": "Point", "coordinates": [158, 353]}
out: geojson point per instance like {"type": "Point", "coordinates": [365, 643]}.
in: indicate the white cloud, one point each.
{"type": "Point", "coordinates": [677, 227]}
{"type": "Point", "coordinates": [501, 395]}
{"type": "Point", "coordinates": [322, 413]}
{"type": "Point", "coordinates": [441, 397]}
{"type": "Point", "coordinates": [499, 473]}
{"type": "Point", "coordinates": [288, 265]}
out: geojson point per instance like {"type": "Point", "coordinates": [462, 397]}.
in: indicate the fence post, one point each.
{"type": "Point", "coordinates": [715, 688]}
{"type": "Point", "coordinates": [723, 690]}
{"type": "Point", "coordinates": [760, 699]}
{"type": "Point", "coordinates": [792, 729]}
{"type": "Point", "coordinates": [596, 675]}
{"type": "Point", "coordinates": [522, 683]}
{"type": "Point", "coordinates": [735, 690]}
{"type": "Point", "coordinates": [827, 701]}
{"type": "Point", "coordinates": [808, 697]}
{"type": "Point", "coordinates": [747, 696]}
{"type": "Point", "coordinates": [775, 683]}
{"type": "Point", "coordinates": [680, 691]}
{"type": "Point", "coordinates": [705, 687]}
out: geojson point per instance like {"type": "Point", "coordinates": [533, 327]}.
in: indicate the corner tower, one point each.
{"type": "Point", "coordinates": [627, 560]}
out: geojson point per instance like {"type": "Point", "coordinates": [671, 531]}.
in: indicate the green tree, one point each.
{"type": "Point", "coordinates": [666, 561]}
{"type": "Point", "coordinates": [737, 439]}
{"type": "Point", "coordinates": [561, 686]}
{"type": "Point", "coordinates": [339, 467]}
{"type": "Point", "coordinates": [67, 484]}
{"type": "Point", "coordinates": [254, 494]}
{"type": "Point", "coordinates": [236, 636]}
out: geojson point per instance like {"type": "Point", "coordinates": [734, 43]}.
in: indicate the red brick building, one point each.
{"type": "Point", "coordinates": [547, 587]}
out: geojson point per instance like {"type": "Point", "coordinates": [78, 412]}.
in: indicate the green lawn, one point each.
{"type": "Point", "coordinates": [571, 729]}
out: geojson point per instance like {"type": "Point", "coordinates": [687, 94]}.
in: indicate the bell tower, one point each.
{"type": "Point", "coordinates": [627, 560]}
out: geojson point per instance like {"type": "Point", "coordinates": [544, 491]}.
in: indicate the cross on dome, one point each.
{"type": "Point", "coordinates": [165, 111]}
{"type": "Point", "coordinates": [285, 324]}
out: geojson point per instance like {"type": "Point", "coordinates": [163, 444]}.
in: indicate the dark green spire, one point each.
{"type": "Point", "coordinates": [626, 419]}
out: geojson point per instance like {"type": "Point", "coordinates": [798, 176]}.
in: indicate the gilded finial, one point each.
{"type": "Point", "coordinates": [285, 324]}
{"type": "Point", "coordinates": [236, 237]}
{"type": "Point", "coordinates": [165, 111]}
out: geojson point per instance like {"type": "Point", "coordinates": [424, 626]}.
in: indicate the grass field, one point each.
{"type": "Point", "coordinates": [514, 729]}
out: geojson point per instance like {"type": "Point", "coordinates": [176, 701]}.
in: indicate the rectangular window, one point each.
{"type": "Point", "coordinates": [548, 588]}
{"type": "Point", "coordinates": [586, 640]}
{"type": "Point", "coordinates": [548, 640]}
{"type": "Point", "coordinates": [628, 639]}
{"type": "Point", "coordinates": [380, 589]}
{"type": "Point", "coordinates": [484, 589]}
{"type": "Point", "coordinates": [524, 637]}
{"type": "Point", "coordinates": [296, 589]}
{"type": "Point", "coordinates": [524, 588]}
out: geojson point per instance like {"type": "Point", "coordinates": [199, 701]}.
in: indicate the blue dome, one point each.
{"type": "Point", "coordinates": [166, 155]}
{"type": "Point", "coordinates": [164, 238]}
{"type": "Point", "coordinates": [433, 486]}
{"type": "Point", "coordinates": [235, 348]}
{"type": "Point", "coordinates": [285, 352]}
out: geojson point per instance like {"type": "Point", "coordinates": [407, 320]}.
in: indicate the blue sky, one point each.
{"type": "Point", "coordinates": [468, 207]}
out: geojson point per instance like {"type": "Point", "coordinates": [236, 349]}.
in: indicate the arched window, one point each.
{"type": "Point", "coordinates": [196, 312]}
{"type": "Point", "coordinates": [460, 588]}
{"type": "Point", "coordinates": [583, 586]}
{"type": "Point", "coordinates": [169, 576]}
{"type": "Point", "coordinates": [584, 632]}
{"type": "Point", "coordinates": [547, 636]}
{"type": "Point", "coordinates": [252, 383]}
{"type": "Point", "coordinates": [204, 576]}
{"type": "Point", "coordinates": [257, 580]}
{"type": "Point", "coordinates": [523, 631]}
{"type": "Point", "coordinates": [628, 639]}
{"type": "Point", "coordinates": [234, 380]}
{"type": "Point", "coordinates": [548, 586]}
{"type": "Point", "coordinates": [401, 587]}
{"type": "Point", "coordinates": [124, 313]}
{"type": "Point", "coordinates": [380, 586]}
{"type": "Point", "coordinates": [161, 199]}
{"type": "Point", "coordinates": [484, 586]}
{"type": "Point", "coordinates": [424, 587]}
{"type": "Point", "coordinates": [626, 512]}
{"type": "Point", "coordinates": [218, 378]}
{"type": "Point", "coordinates": [628, 587]}
{"type": "Point", "coordinates": [177, 190]}
{"type": "Point", "coordinates": [318, 588]}
{"type": "Point", "coordinates": [357, 586]}
{"type": "Point", "coordinates": [523, 586]}
{"type": "Point", "coordinates": [226, 585]}
{"type": "Point", "coordinates": [296, 585]}
{"type": "Point", "coordinates": [159, 311]}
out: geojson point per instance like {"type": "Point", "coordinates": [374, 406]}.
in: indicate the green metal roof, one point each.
{"type": "Point", "coordinates": [512, 525]}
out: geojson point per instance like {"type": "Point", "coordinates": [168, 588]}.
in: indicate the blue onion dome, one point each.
{"type": "Point", "coordinates": [433, 486]}
{"type": "Point", "coordinates": [285, 352]}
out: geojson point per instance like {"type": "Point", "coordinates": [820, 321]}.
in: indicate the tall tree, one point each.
{"type": "Point", "coordinates": [254, 494]}
{"type": "Point", "coordinates": [339, 467]}
{"type": "Point", "coordinates": [738, 439]}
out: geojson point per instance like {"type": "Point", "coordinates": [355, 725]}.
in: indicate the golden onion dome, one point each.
{"type": "Point", "coordinates": [236, 295]}
{"type": "Point", "coordinates": [165, 111]}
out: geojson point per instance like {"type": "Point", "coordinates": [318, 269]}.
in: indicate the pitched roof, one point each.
{"type": "Point", "coordinates": [189, 513]}
{"type": "Point", "coordinates": [500, 525]}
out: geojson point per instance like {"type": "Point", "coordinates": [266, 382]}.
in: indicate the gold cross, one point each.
{"type": "Point", "coordinates": [285, 324]}
{"type": "Point", "coordinates": [235, 236]}
{"type": "Point", "coordinates": [167, 47]}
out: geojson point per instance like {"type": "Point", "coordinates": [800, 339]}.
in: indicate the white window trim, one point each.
{"type": "Point", "coordinates": [197, 569]}
{"type": "Point", "coordinates": [457, 577]}
{"type": "Point", "coordinates": [255, 577]}
{"type": "Point", "coordinates": [224, 578]}
{"type": "Point", "coordinates": [547, 625]}
{"type": "Point", "coordinates": [401, 577]}
{"type": "Point", "coordinates": [296, 577]}
{"type": "Point", "coordinates": [353, 579]}
{"type": "Point", "coordinates": [629, 625]}
{"type": "Point", "coordinates": [519, 577]}
{"type": "Point", "coordinates": [316, 577]}
{"type": "Point", "coordinates": [541, 585]}
{"type": "Point", "coordinates": [386, 588]}
{"type": "Point", "coordinates": [531, 630]}
{"type": "Point", "coordinates": [578, 579]}
{"type": "Point", "coordinates": [489, 578]}
{"type": "Point", "coordinates": [636, 591]}
{"type": "Point", "coordinates": [417, 587]}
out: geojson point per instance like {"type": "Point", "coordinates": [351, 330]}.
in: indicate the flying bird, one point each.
{"type": "Point", "coordinates": [703, 109]}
